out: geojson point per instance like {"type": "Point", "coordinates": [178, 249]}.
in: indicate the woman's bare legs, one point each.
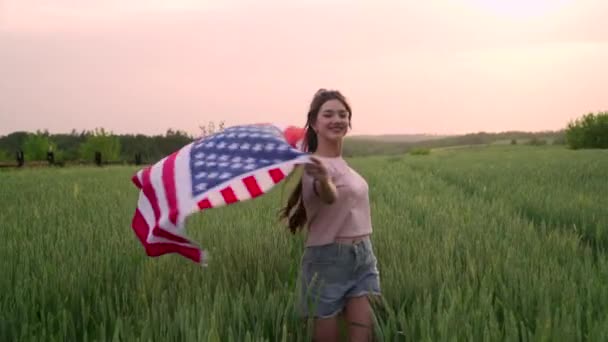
{"type": "Point", "coordinates": [359, 319]}
{"type": "Point", "coordinates": [326, 329]}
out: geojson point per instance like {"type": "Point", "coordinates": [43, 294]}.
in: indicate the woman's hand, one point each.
{"type": "Point", "coordinates": [322, 184]}
{"type": "Point", "coordinates": [317, 170]}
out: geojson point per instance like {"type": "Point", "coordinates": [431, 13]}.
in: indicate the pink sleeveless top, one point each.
{"type": "Point", "coordinates": [348, 216]}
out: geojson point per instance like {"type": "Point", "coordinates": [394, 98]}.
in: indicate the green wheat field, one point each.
{"type": "Point", "coordinates": [474, 244]}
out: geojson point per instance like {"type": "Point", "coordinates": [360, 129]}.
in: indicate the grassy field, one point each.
{"type": "Point", "coordinates": [501, 243]}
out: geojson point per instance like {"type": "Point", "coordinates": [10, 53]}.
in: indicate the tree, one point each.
{"type": "Point", "coordinates": [588, 131]}
{"type": "Point", "coordinates": [210, 128]}
{"type": "Point", "coordinates": [36, 146]}
{"type": "Point", "coordinates": [13, 141]}
{"type": "Point", "coordinates": [173, 141]}
{"type": "Point", "coordinates": [101, 141]}
{"type": "Point", "coordinates": [5, 156]}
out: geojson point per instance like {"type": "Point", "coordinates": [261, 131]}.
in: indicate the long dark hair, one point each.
{"type": "Point", "coordinates": [294, 210]}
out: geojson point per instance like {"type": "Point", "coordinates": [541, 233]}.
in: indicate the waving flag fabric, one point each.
{"type": "Point", "coordinates": [237, 164]}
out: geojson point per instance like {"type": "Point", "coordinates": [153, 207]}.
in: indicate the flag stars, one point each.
{"type": "Point", "coordinates": [235, 152]}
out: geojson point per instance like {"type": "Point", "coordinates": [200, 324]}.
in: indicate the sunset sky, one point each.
{"type": "Point", "coordinates": [433, 66]}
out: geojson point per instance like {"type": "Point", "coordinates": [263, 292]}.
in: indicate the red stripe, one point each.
{"type": "Point", "coordinates": [229, 195]}
{"type": "Point", "coordinates": [141, 229]}
{"type": "Point", "coordinates": [168, 235]}
{"type": "Point", "coordinates": [158, 249]}
{"type": "Point", "coordinates": [252, 186]}
{"type": "Point", "coordinates": [150, 193]}
{"type": "Point", "coordinates": [140, 226]}
{"type": "Point", "coordinates": [169, 185]}
{"type": "Point", "coordinates": [276, 175]}
{"type": "Point", "coordinates": [204, 204]}
{"type": "Point", "coordinates": [136, 181]}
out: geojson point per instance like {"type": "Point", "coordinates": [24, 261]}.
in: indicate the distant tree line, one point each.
{"type": "Point", "coordinates": [362, 147]}
{"type": "Point", "coordinates": [588, 131]}
{"type": "Point", "coordinates": [86, 146]}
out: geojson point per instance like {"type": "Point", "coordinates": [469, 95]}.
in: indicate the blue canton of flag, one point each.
{"type": "Point", "coordinates": [235, 152]}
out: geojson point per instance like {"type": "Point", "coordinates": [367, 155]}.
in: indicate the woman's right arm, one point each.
{"type": "Point", "coordinates": [322, 184]}
{"type": "Point", "coordinates": [326, 190]}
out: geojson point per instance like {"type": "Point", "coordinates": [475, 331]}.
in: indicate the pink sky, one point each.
{"type": "Point", "coordinates": [451, 66]}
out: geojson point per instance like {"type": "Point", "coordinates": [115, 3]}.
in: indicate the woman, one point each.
{"type": "Point", "coordinates": [338, 268]}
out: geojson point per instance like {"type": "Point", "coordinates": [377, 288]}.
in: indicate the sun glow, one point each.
{"type": "Point", "coordinates": [520, 8]}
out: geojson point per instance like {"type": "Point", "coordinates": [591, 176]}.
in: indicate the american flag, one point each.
{"type": "Point", "coordinates": [235, 165]}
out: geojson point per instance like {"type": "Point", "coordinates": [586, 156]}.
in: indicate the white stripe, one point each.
{"type": "Point", "coordinates": [240, 190]}
{"type": "Point", "coordinates": [145, 208]}
{"type": "Point", "coordinates": [215, 197]}
{"type": "Point", "coordinates": [164, 222]}
{"type": "Point", "coordinates": [156, 178]}
{"type": "Point", "coordinates": [264, 181]}
{"type": "Point", "coordinates": [183, 185]}
{"type": "Point", "coordinates": [287, 169]}
{"type": "Point", "coordinates": [146, 211]}
{"type": "Point", "coordinates": [146, 204]}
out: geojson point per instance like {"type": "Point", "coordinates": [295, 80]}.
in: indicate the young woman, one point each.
{"type": "Point", "coordinates": [338, 269]}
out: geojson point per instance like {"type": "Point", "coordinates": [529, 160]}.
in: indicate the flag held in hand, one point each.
{"type": "Point", "coordinates": [235, 165]}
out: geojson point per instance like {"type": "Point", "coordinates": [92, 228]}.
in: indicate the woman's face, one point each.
{"type": "Point", "coordinates": [332, 121]}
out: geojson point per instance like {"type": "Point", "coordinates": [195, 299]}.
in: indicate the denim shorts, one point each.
{"type": "Point", "coordinates": [330, 274]}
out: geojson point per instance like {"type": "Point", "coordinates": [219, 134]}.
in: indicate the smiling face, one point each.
{"type": "Point", "coordinates": [332, 121]}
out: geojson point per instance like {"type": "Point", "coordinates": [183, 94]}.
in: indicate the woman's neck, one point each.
{"type": "Point", "coordinates": [329, 149]}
